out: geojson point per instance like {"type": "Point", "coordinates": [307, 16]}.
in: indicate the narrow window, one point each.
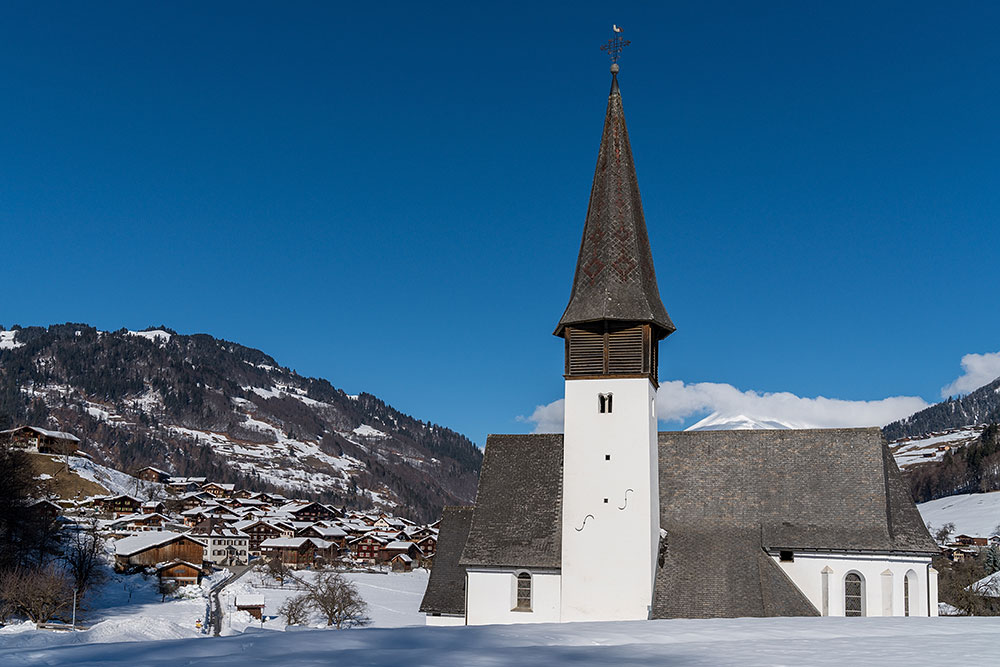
{"type": "Point", "coordinates": [604, 403]}
{"type": "Point", "coordinates": [609, 402]}
{"type": "Point", "coordinates": [906, 596]}
{"type": "Point", "coordinates": [853, 595]}
{"type": "Point", "coordinates": [786, 556]}
{"type": "Point", "coordinates": [523, 592]}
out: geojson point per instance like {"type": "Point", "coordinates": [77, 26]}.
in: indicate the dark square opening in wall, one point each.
{"type": "Point", "coordinates": [607, 457]}
{"type": "Point", "coordinates": [786, 556]}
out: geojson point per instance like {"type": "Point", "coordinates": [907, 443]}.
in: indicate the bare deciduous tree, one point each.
{"type": "Point", "coordinates": [39, 593]}
{"type": "Point", "coordinates": [296, 610]}
{"type": "Point", "coordinates": [338, 600]}
{"type": "Point", "coordinates": [277, 569]}
{"type": "Point", "coordinates": [944, 532]}
{"type": "Point", "coordinates": [84, 557]}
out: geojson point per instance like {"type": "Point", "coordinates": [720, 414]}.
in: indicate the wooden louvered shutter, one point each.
{"type": "Point", "coordinates": [625, 346]}
{"type": "Point", "coordinates": [586, 352]}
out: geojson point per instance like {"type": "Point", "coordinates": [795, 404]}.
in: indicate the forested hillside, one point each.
{"type": "Point", "coordinates": [196, 405]}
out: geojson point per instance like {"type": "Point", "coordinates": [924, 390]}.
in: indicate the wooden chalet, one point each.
{"type": "Point", "coordinates": [152, 548]}
{"type": "Point", "coordinates": [314, 512]}
{"type": "Point", "coordinates": [393, 549]}
{"type": "Point", "coordinates": [259, 530]}
{"type": "Point", "coordinates": [401, 563]}
{"type": "Point", "coordinates": [121, 505]}
{"type": "Point", "coordinates": [219, 490]}
{"type": "Point", "coordinates": [179, 572]}
{"type": "Point", "coordinates": [366, 548]}
{"type": "Point", "coordinates": [298, 552]}
{"type": "Point", "coordinates": [151, 474]}
{"type": "Point", "coordinates": [971, 541]}
{"type": "Point", "coordinates": [333, 534]}
{"type": "Point", "coordinates": [46, 509]}
{"type": "Point", "coordinates": [140, 522]}
{"type": "Point", "coordinates": [42, 439]}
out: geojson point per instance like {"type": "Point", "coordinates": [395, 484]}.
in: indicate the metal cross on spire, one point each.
{"type": "Point", "coordinates": [615, 45]}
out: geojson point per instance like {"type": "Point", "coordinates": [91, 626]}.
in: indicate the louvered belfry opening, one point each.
{"type": "Point", "coordinates": [609, 348]}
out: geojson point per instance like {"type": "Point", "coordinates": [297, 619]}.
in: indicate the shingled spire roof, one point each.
{"type": "Point", "coordinates": [614, 277]}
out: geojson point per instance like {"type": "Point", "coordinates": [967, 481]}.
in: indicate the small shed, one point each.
{"type": "Point", "coordinates": [401, 563]}
{"type": "Point", "coordinates": [253, 604]}
{"type": "Point", "coordinates": [180, 572]}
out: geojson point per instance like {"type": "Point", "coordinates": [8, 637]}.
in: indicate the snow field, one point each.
{"type": "Point", "coordinates": [975, 514]}
{"type": "Point", "coordinates": [393, 599]}
{"type": "Point", "coordinates": [816, 642]}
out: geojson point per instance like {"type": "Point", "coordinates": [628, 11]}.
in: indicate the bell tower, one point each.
{"type": "Point", "coordinates": [612, 328]}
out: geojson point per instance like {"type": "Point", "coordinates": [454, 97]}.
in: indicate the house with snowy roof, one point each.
{"type": "Point", "coordinates": [44, 440]}
{"type": "Point", "coordinates": [613, 520]}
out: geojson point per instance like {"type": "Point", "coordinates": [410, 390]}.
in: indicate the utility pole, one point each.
{"type": "Point", "coordinates": [74, 609]}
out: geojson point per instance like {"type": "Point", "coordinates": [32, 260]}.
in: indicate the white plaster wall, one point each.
{"type": "Point", "coordinates": [806, 573]}
{"type": "Point", "coordinates": [445, 620]}
{"type": "Point", "coordinates": [491, 596]}
{"type": "Point", "coordinates": [608, 566]}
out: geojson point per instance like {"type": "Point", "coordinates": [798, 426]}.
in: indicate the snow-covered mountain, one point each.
{"type": "Point", "coordinates": [199, 406]}
{"type": "Point", "coordinates": [721, 422]}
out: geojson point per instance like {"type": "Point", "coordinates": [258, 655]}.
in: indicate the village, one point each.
{"type": "Point", "coordinates": [185, 531]}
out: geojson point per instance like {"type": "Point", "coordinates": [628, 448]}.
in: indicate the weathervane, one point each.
{"type": "Point", "coordinates": [615, 46]}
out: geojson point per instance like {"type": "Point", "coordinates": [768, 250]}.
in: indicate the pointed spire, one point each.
{"type": "Point", "coordinates": [614, 277]}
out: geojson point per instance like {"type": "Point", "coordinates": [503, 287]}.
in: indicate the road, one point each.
{"type": "Point", "coordinates": [215, 607]}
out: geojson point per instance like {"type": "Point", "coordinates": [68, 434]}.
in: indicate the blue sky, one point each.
{"type": "Point", "coordinates": [393, 198]}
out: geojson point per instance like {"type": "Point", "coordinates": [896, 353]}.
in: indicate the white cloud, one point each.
{"type": "Point", "coordinates": [677, 401]}
{"type": "Point", "coordinates": [547, 418]}
{"type": "Point", "coordinates": [979, 369]}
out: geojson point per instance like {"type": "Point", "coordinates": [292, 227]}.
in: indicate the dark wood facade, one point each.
{"type": "Point", "coordinates": [611, 349]}
{"type": "Point", "coordinates": [180, 548]}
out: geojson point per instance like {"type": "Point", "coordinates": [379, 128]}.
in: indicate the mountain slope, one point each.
{"type": "Point", "coordinates": [979, 407]}
{"type": "Point", "coordinates": [196, 405]}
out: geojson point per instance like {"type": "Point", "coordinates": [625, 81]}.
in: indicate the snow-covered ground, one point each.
{"type": "Point", "coordinates": [816, 642]}
{"type": "Point", "coordinates": [393, 599]}
{"type": "Point", "coordinates": [912, 451]}
{"type": "Point", "coordinates": [116, 482]}
{"type": "Point", "coordinates": [124, 609]}
{"type": "Point", "coordinates": [8, 340]}
{"type": "Point", "coordinates": [129, 609]}
{"type": "Point", "coordinates": [975, 514]}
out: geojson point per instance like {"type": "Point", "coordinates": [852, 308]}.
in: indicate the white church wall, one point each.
{"type": "Point", "coordinates": [491, 595]}
{"type": "Point", "coordinates": [820, 577]}
{"type": "Point", "coordinates": [610, 530]}
{"type": "Point", "coordinates": [445, 620]}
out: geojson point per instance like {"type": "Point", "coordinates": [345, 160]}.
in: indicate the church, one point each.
{"type": "Point", "coordinates": [614, 520]}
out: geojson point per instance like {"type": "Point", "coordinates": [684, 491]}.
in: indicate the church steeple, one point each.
{"type": "Point", "coordinates": [615, 304]}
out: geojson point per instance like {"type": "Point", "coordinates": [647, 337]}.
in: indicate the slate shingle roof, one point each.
{"type": "Point", "coordinates": [614, 277]}
{"type": "Point", "coordinates": [726, 498]}
{"type": "Point", "coordinates": [803, 489]}
{"type": "Point", "coordinates": [518, 504]}
{"type": "Point", "coordinates": [445, 592]}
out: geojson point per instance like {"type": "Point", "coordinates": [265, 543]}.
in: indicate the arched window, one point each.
{"type": "Point", "coordinates": [909, 592]}
{"type": "Point", "coordinates": [854, 595]}
{"type": "Point", "coordinates": [604, 403]}
{"type": "Point", "coordinates": [523, 592]}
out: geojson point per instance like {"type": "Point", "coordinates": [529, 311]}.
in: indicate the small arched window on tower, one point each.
{"type": "Point", "coordinates": [854, 595]}
{"type": "Point", "coordinates": [604, 403]}
{"type": "Point", "coordinates": [523, 592]}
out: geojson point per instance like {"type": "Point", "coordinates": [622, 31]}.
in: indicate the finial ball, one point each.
{"type": "Point", "coordinates": [614, 68]}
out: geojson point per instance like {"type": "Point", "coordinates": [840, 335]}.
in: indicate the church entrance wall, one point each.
{"type": "Point", "coordinates": [886, 583]}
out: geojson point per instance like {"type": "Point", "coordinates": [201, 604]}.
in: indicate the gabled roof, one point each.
{"type": "Point", "coordinates": [727, 500]}
{"type": "Point", "coordinates": [58, 435]}
{"type": "Point", "coordinates": [130, 546]}
{"type": "Point", "coordinates": [518, 504]}
{"type": "Point", "coordinates": [445, 592]}
{"type": "Point", "coordinates": [614, 277]}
